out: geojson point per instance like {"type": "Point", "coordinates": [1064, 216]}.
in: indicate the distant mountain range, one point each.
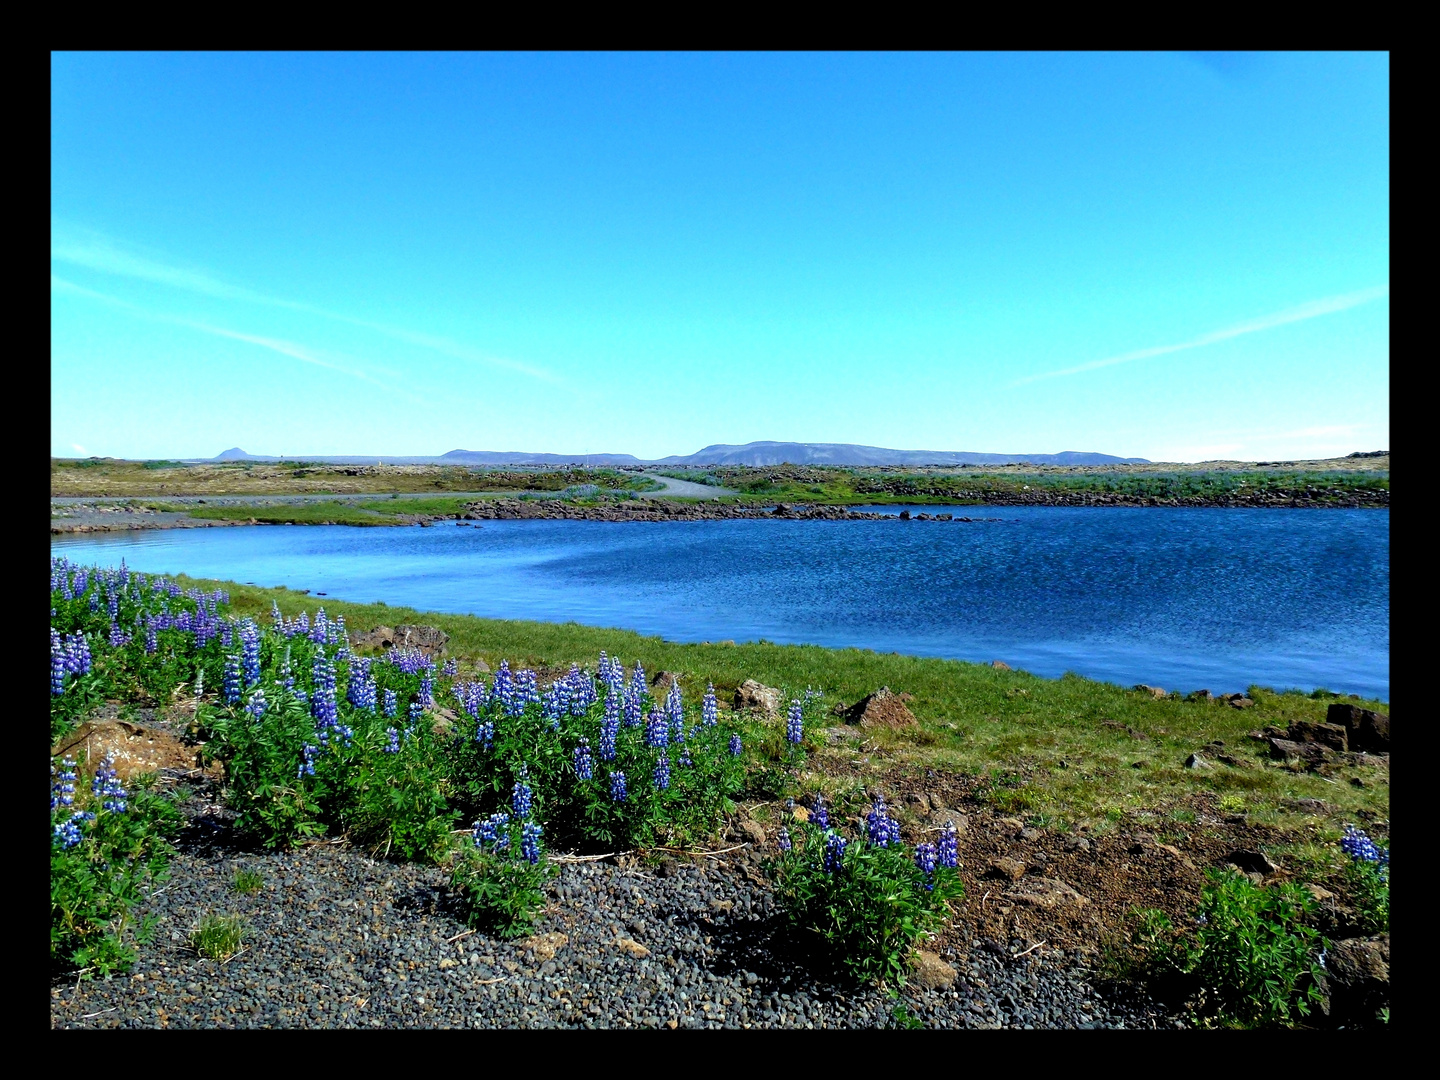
{"type": "Point", "coordinates": [755, 453]}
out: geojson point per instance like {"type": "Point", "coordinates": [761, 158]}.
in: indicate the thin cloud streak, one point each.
{"type": "Point", "coordinates": [1314, 309]}
{"type": "Point", "coordinates": [284, 348]}
{"type": "Point", "coordinates": [102, 254]}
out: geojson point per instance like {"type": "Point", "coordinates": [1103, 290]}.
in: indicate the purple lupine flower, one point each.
{"type": "Point", "coordinates": [530, 842]}
{"type": "Point", "coordinates": [68, 832]}
{"type": "Point", "coordinates": [925, 860]}
{"type": "Point", "coordinates": [151, 640]}
{"type": "Point", "coordinates": [657, 731]}
{"type": "Point", "coordinates": [949, 849]}
{"type": "Point", "coordinates": [617, 787]}
{"type": "Point", "coordinates": [881, 829]}
{"type": "Point", "coordinates": [250, 652]}
{"type": "Point", "coordinates": [685, 758]}
{"type": "Point", "coordinates": [509, 690]}
{"type": "Point", "coordinates": [360, 690]}
{"type": "Point", "coordinates": [522, 798]}
{"type": "Point", "coordinates": [256, 705]}
{"type": "Point", "coordinates": [106, 786]}
{"type": "Point", "coordinates": [118, 638]}
{"type": "Point", "coordinates": [662, 772]}
{"type": "Point", "coordinates": [584, 765]}
{"type": "Point", "coordinates": [493, 830]}
{"type": "Point", "coordinates": [320, 631]}
{"type": "Point", "coordinates": [782, 841]}
{"type": "Point", "coordinates": [391, 702]}
{"type": "Point", "coordinates": [794, 724]}
{"type": "Point", "coordinates": [62, 787]}
{"type": "Point", "coordinates": [485, 733]}
{"type": "Point", "coordinates": [451, 668]}
{"type": "Point", "coordinates": [417, 713]}
{"type": "Point", "coordinates": [276, 618]}
{"type": "Point", "coordinates": [735, 748]}
{"type": "Point", "coordinates": [230, 690]}
{"type": "Point", "coordinates": [57, 665]}
{"type": "Point", "coordinates": [834, 852]}
{"type": "Point", "coordinates": [709, 709]}
{"type": "Point", "coordinates": [308, 754]}
{"type": "Point", "coordinates": [819, 816]}
{"type": "Point", "coordinates": [674, 704]}
{"type": "Point", "coordinates": [610, 726]}
{"type": "Point", "coordinates": [393, 746]}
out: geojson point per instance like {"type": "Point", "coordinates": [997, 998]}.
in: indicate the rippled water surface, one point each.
{"type": "Point", "coordinates": [1180, 598]}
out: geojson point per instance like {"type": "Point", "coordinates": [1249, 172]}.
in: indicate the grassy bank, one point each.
{"type": "Point", "coordinates": [1319, 483]}
{"type": "Point", "coordinates": [1064, 752]}
{"type": "Point", "coordinates": [110, 477]}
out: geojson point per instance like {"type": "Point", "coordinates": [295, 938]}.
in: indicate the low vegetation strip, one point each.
{"type": "Point", "coordinates": [1339, 483]}
{"type": "Point", "coordinates": [1059, 805]}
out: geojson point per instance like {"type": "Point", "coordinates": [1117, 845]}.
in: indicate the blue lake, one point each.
{"type": "Point", "coordinates": [1180, 598]}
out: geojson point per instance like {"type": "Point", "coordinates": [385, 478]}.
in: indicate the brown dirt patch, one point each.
{"type": "Point", "coordinates": [136, 748]}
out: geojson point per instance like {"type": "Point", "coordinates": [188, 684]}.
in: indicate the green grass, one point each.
{"type": "Point", "coordinates": [1060, 748]}
{"type": "Point", "coordinates": [247, 881]}
{"type": "Point", "coordinates": [218, 937]}
{"type": "Point", "coordinates": [970, 486]}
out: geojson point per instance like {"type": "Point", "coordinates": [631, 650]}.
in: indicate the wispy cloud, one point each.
{"type": "Point", "coordinates": [1312, 310]}
{"type": "Point", "coordinates": [319, 358]}
{"type": "Point", "coordinates": [94, 251]}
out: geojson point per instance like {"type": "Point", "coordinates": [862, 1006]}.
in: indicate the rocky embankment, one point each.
{"type": "Point", "coordinates": [1309, 498]}
{"type": "Point", "coordinates": [655, 510]}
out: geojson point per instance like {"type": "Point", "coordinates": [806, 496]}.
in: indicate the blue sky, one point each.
{"type": "Point", "coordinates": [1161, 255]}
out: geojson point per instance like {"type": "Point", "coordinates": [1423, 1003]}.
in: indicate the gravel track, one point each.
{"type": "Point", "coordinates": [338, 939]}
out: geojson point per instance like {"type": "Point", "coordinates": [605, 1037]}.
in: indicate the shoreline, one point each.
{"type": "Point", "coordinates": [98, 517]}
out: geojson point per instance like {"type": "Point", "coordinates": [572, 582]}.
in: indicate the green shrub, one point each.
{"type": "Point", "coordinates": [500, 878]}
{"type": "Point", "coordinates": [1250, 959]}
{"type": "Point", "coordinates": [107, 846]}
{"type": "Point", "coordinates": [862, 905]}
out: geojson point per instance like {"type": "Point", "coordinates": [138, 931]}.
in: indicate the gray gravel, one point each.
{"type": "Point", "coordinates": [337, 939]}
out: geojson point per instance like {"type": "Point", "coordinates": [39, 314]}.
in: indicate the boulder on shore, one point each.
{"type": "Point", "coordinates": [883, 708]}
{"type": "Point", "coordinates": [1366, 730]}
{"type": "Point", "coordinates": [753, 695]}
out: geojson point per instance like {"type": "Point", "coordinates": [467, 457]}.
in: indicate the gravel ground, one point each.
{"type": "Point", "coordinates": [337, 939]}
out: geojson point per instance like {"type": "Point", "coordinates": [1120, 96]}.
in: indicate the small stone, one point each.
{"type": "Point", "coordinates": [1030, 835]}
{"type": "Point", "coordinates": [1155, 692]}
{"type": "Point", "coordinates": [999, 665]}
{"type": "Point", "coordinates": [931, 972]}
{"type": "Point", "coordinates": [1195, 761]}
{"type": "Point", "coordinates": [633, 948]}
{"type": "Point", "coordinates": [1251, 862]}
{"type": "Point", "coordinates": [1045, 893]}
{"type": "Point", "coordinates": [447, 963]}
{"type": "Point", "coordinates": [1005, 867]}
{"type": "Point", "coordinates": [544, 946]}
{"type": "Point", "coordinates": [753, 830]}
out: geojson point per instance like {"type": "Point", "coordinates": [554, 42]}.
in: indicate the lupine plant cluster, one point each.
{"type": "Point", "coordinates": [395, 751]}
{"type": "Point", "coordinates": [1249, 957]}
{"type": "Point", "coordinates": [107, 845]}
{"type": "Point", "coordinates": [119, 635]}
{"type": "Point", "coordinates": [1368, 875]}
{"type": "Point", "coordinates": [864, 901]}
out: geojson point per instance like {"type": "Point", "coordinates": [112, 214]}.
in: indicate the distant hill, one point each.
{"type": "Point", "coordinates": [505, 457]}
{"type": "Point", "coordinates": [755, 453]}
{"type": "Point", "coordinates": [778, 453]}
